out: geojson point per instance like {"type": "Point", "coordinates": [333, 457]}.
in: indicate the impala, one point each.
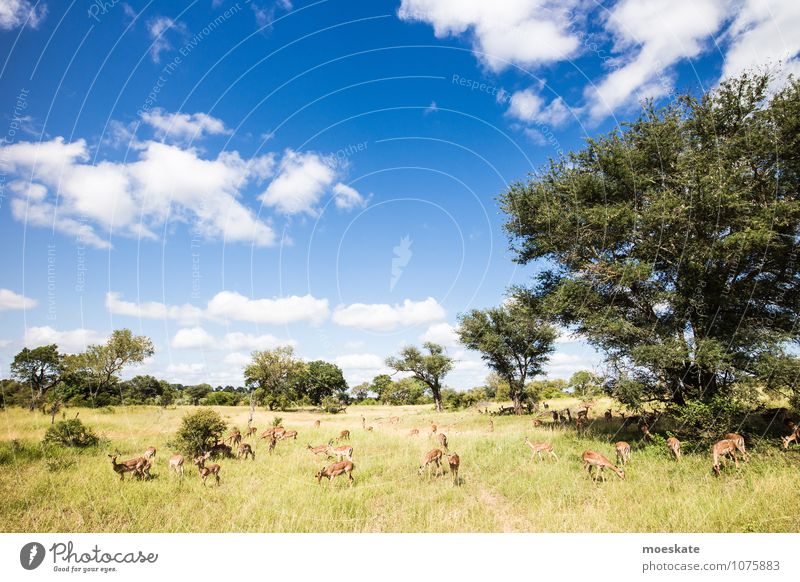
{"type": "Point", "coordinates": [319, 449]}
{"type": "Point", "coordinates": [413, 432]}
{"type": "Point", "coordinates": [538, 448]}
{"type": "Point", "coordinates": [432, 457]}
{"type": "Point", "coordinates": [288, 434]}
{"type": "Point", "coordinates": [316, 424]}
{"type": "Point", "coordinates": [235, 438]}
{"type": "Point", "coordinates": [738, 440]}
{"type": "Point", "coordinates": [137, 466]}
{"type": "Point", "coordinates": [150, 453]}
{"type": "Point", "coordinates": [246, 450]}
{"type": "Point", "coordinates": [394, 419]}
{"type": "Point", "coordinates": [433, 429]}
{"type": "Point", "coordinates": [344, 435]}
{"type": "Point", "coordinates": [623, 452]}
{"type": "Point", "coordinates": [340, 452]}
{"type": "Point", "coordinates": [596, 460]}
{"type": "Point", "coordinates": [792, 438]}
{"type": "Point", "coordinates": [363, 422]}
{"type": "Point", "coordinates": [609, 417]}
{"type": "Point", "coordinates": [646, 432]}
{"type": "Point", "coordinates": [251, 431]}
{"type": "Point", "coordinates": [334, 470]}
{"type": "Point", "coordinates": [491, 425]}
{"type": "Point", "coordinates": [273, 440]}
{"type": "Point", "coordinates": [720, 450]}
{"type": "Point", "coordinates": [176, 464]}
{"type": "Point", "coordinates": [442, 440]}
{"type": "Point", "coordinates": [454, 461]}
{"type": "Point", "coordinates": [206, 471]}
{"type": "Point", "coordinates": [674, 445]}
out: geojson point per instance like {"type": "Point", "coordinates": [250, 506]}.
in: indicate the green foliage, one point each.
{"type": "Point", "coordinates": [221, 398]}
{"type": "Point", "coordinates": [671, 245]}
{"type": "Point", "coordinates": [38, 368]}
{"type": "Point", "coordinates": [323, 380]}
{"type": "Point", "coordinates": [276, 420]}
{"type": "Point", "coordinates": [708, 421]}
{"type": "Point", "coordinates": [429, 368]}
{"type": "Point", "coordinates": [332, 405]}
{"type": "Point", "coordinates": [18, 452]}
{"type": "Point", "coordinates": [70, 433]}
{"type": "Point", "coordinates": [585, 384]}
{"type": "Point", "coordinates": [199, 431]}
{"type": "Point", "coordinates": [275, 376]}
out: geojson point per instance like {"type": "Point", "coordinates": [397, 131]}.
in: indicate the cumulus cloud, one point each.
{"type": "Point", "coordinates": [183, 126]}
{"type": "Point", "coordinates": [16, 13]}
{"type": "Point", "coordinates": [152, 309]}
{"type": "Point", "coordinates": [70, 341]}
{"type": "Point", "coordinates": [530, 107]}
{"type": "Point", "coordinates": [278, 311]}
{"type": "Point", "coordinates": [347, 198]}
{"type": "Point", "coordinates": [11, 300]}
{"type": "Point", "coordinates": [385, 317]}
{"type": "Point", "coordinates": [158, 28]}
{"type": "Point", "coordinates": [359, 362]}
{"type": "Point", "coordinates": [301, 180]}
{"type": "Point", "coordinates": [190, 338]}
{"type": "Point", "coordinates": [440, 333]}
{"type": "Point", "coordinates": [246, 341]}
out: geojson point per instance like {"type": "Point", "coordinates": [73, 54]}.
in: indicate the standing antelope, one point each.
{"type": "Point", "coordinates": [792, 438]}
{"type": "Point", "coordinates": [433, 456]}
{"type": "Point", "coordinates": [135, 466]}
{"type": "Point", "coordinates": [491, 425]}
{"type": "Point", "coordinates": [340, 452]}
{"type": "Point", "coordinates": [344, 435]}
{"type": "Point", "coordinates": [235, 438]}
{"type": "Point", "coordinates": [599, 462]}
{"type": "Point", "coordinates": [334, 470]}
{"type": "Point", "coordinates": [674, 445]}
{"type": "Point", "coordinates": [316, 423]}
{"type": "Point", "coordinates": [648, 437]}
{"type": "Point", "coordinates": [413, 432]}
{"type": "Point", "coordinates": [288, 434]}
{"type": "Point", "coordinates": [251, 431]}
{"type": "Point", "coordinates": [206, 471]}
{"type": "Point", "coordinates": [608, 416]}
{"type": "Point", "coordinates": [538, 448]}
{"type": "Point", "coordinates": [442, 440]}
{"type": "Point", "coordinates": [176, 464]}
{"type": "Point", "coordinates": [433, 429]}
{"type": "Point", "coordinates": [454, 461]}
{"type": "Point", "coordinates": [150, 453]}
{"type": "Point", "coordinates": [720, 450]}
{"type": "Point", "coordinates": [394, 419]}
{"type": "Point", "coordinates": [246, 450]}
{"type": "Point", "coordinates": [273, 440]}
{"type": "Point", "coordinates": [738, 440]}
{"type": "Point", "coordinates": [623, 452]}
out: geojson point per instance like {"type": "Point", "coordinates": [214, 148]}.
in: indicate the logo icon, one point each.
{"type": "Point", "coordinates": [31, 555]}
{"type": "Point", "coordinates": [402, 256]}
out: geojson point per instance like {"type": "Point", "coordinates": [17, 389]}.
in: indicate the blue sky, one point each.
{"type": "Point", "coordinates": [228, 176]}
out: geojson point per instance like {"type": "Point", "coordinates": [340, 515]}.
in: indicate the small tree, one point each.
{"type": "Point", "coordinates": [515, 341]}
{"type": "Point", "coordinates": [584, 384]}
{"type": "Point", "coordinates": [324, 380]}
{"type": "Point", "coordinates": [428, 368]}
{"type": "Point", "coordinates": [273, 375]}
{"type": "Point", "coordinates": [199, 431]}
{"type": "Point", "coordinates": [40, 369]}
{"type": "Point", "coordinates": [70, 433]}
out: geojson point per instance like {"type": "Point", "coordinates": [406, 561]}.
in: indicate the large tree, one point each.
{"type": "Point", "coordinates": [273, 376]}
{"type": "Point", "coordinates": [322, 380]}
{"type": "Point", "coordinates": [40, 369]}
{"type": "Point", "coordinates": [429, 368]}
{"type": "Point", "coordinates": [515, 340]}
{"type": "Point", "coordinates": [672, 244]}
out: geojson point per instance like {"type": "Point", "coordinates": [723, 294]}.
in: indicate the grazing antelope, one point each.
{"type": "Point", "coordinates": [274, 431]}
{"type": "Point", "coordinates": [600, 463]}
{"type": "Point", "coordinates": [538, 448]}
{"type": "Point", "coordinates": [442, 440]}
{"type": "Point", "coordinates": [454, 461]}
{"type": "Point", "coordinates": [246, 450]}
{"type": "Point", "coordinates": [623, 452]}
{"type": "Point", "coordinates": [150, 453]}
{"type": "Point", "coordinates": [413, 432]}
{"type": "Point", "coordinates": [206, 471]}
{"type": "Point", "coordinates": [136, 466]}
{"type": "Point", "coordinates": [288, 434]}
{"type": "Point", "coordinates": [176, 464]}
{"type": "Point", "coordinates": [608, 416]}
{"type": "Point", "coordinates": [433, 456]}
{"type": "Point", "coordinates": [340, 452]}
{"type": "Point", "coordinates": [344, 435]}
{"type": "Point", "coordinates": [792, 438]}
{"type": "Point", "coordinates": [235, 438]}
{"type": "Point", "coordinates": [720, 450]}
{"type": "Point", "coordinates": [251, 431]}
{"type": "Point", "coordinates": [738, 440]}
{"type": "Point", "coordinates": [334, 470]}
{"type": "Point", "coordinates": [674, 445]}
{"type": "Point", "coordinates": [319, 449]}
{"type": "Point", "coordinates": [316, 423]}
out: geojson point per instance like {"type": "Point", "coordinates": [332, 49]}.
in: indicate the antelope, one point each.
{"type": "Point", "coordinates": [454, 461]}
{"type": "Point", "coordinates": [344, 435]}
{"type": "Point", "coordinates": [598, 461]}
{"type": "Point", "coordinates": [738, 440]}
{"type": "Point", "coordinates": [334, 470]}
{"type": "Point", "coordinates": [394, 419]}
{"type": "Point", "coordinates": [580, 423]}
{"type": "Point", "coordinates": [413, 432]}
{"type": "Point", "coordinates": [433, 456]}
{"type": "Point", "coordinates": [646, 432]}
{"type": "Point", "coordinates": [536, 422]}
{"type": "Point", "coordinates": [609, 417]}
{"type": "Point", "coordinates": [137, 466]}
{"type": "Point", "coordinates": [316, 423]}
{"type": "Point", "coordinates": [150, 453]}
{"type": "Point", "coordinates": [235, 438]}
{"type": "Point", "coordinates": [442, 440]}
{"type": "Point", "coordinates": [623, 452]}
{"type": "Point", "coordinates": [246, 450]}
{"type": "Point", "coordinates": [433, 429]}
{"type": "Point", "coordinates": [794, 437]}
{"type": "Point", "coordinates": [176, 463]}
{"type": "Point", "coordinates": [674, 445]}
{"type": "Point", "coordinates": [363, 422]}
{"type": "Point", "coordinates": [272, 432]}
{"type": "Point", "coordinates": [725, 447]}
{"type": "Point", "coordinates": [206, 471]}
{"type": "Point", "coordinates": [491, 425]}
{"type": "Point", "coordinates": [555, 416]}
{"type": "Point", "coordinates": [340, 452]}
{"type": "Point", "coordinates": [584, 414]}
{"type": "Point", "coordinates": [319, 449]}
{"type": "Point", "coordinates": [272, 442]}
{"type": "Point", "coordinates": [538, 448]}
{"type": "Point", "coordinates": [288, 434]}
{"type": "Point", "coordinates": [251, 431]}
{"type": "Point", "coordinates": [221, 448]}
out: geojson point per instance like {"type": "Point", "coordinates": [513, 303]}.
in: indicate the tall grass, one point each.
{"type": "Point", "coordinates": [502, 490]}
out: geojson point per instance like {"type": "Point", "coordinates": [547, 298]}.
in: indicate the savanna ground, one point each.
{"type": "Point", "coordinates": [502, 489]}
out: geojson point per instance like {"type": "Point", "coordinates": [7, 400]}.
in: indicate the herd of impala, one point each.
{"type": "Point", "coordinates": [342, 454]}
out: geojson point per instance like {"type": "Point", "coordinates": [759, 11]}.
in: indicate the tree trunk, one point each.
{"type": "Point", "coordinates": [437, 397]}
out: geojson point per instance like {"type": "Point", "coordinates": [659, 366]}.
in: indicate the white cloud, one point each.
{"type": "Point", "coordinates": [245, 341]}
{"type": "Point", "coordinates": [192, 338]}
{"type": "Point", "coordinates": [360, 362]}
{"type": "Point", "coordinates": [237, 359]}
{"type": "Point", "coordinates": [564, 365]}
{"type": "Point", "coordinates": [185, 373]}
{"type": "Point", "coordinates": [384, 317]}
{"type": "Point", "coordinates": [528, 106]}
{"type": "Point", "coordinates": [278, 311]}
{"type": "Point", "coordinates": [152, 309]}
{"type": "Point", "coordinates": [524, 32]}
{"type": "Point", "coordinates": [441, 333]}
{"type": "Point", "coordinates": [71, 341]}
{"type": "Point", "coordinates": [346, 197]}
{"type": "Point", "coordinates": [16, 13]}
{"type": "Point", "coordinates": [301, 181]}
{"type": "Point", "coordinates": [183, 126]}
{"type": "Point", "coordinates": [135, 198]}
{"type": "Point", "coordinates": [11, 300]}
{"type": "Point", "coordinates": [157, 28]}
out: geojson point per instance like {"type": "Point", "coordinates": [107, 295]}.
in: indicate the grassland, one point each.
{"type": "Point", "coordinates": [502, 489]}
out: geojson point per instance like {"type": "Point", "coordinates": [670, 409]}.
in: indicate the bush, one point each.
{"type": "Point", "coordinates": [199, 431]}
{"type": "Point", "coordinates": [70, 433]}
{"type": "Point", "coordinates": [332, 405]}
{"type": "Point", "coordinates": [708, 421]}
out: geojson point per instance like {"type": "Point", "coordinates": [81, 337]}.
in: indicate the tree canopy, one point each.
{"type": "Point", "coordinates": [40, 368]}
{"type": "Point", "coordinates": [429, 368]}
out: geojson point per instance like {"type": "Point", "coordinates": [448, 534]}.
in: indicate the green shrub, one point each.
{"type": "Point", "coordinates": [17, 452]}
{"type": "Point", "coordinates": [70, 433]}
{"type": "Point", "coordinates": [199, 431]}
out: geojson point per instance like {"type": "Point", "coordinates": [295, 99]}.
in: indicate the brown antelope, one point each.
{"type": "Point", "coordinates": [674, 445]}
{"type": "Point", "coordinates": [176, 464]}
{"type": "Point", "coordinates": [136, 466]}
{"type": "Point", "coordinates": [272, 432]}
{"type": "Point", "coordinates": [538, 448]}
{"type": "Point", "coordinates": [648, 437]}
{"type": "Point", "coordinates": [316, 423]}
{"type": "Point", "coordinates": [580, 423]}
{"type": "Point", "coordinates": [340, 452]}
{"type": "Point", "coordinates": [334, 470]}
{"type": "Point", "coordinates": [536, 422]}
{"type": "Point", "coordinates": [150, 453]}
{"type": "Point", "coordinates": [623, 452]}
{"type": "Point", "coordinates": [608, 416]}
{"type": "Point", "coordinates": [235, 438]}
{"type": "Point", "coordinates": [491, 425]}
{"type": "Point", "coordinates": [600, 463]}
{"type": "Point", "coordinates": [246, 450]}
{"type": "Point", "coordinates": [251, 431]}
{"type": "Point", "coordinates": [394, 419]}
{"type": "Point", "coordinates": [413, 432]}
{"type": "Point", "coordinates": [454, 461]}
{"type": "Point", "coordinates": [363, 422]}
{"type": "Point", "coordinates": [273, 440]}
{"type": "Point", "coordinates": [433, 429]}
{"type": "Point", "coordinates": [206, 471]}
{"type": "Point", "coordinates": [738, 440]}
{"type": "Point", "coordinates": [288, 434]}
{"type": "Point", "coordinates": [344, 435]}
{"type": "Point", "coordinates": [319, 449]}
{"type": "Point", "coordinates": [432, 457]}
{"type": "Point", "coordinates": [555, 416]}
{"type": "Point", "coordinates": [792, 438]}
{"type": "Point", "coordinates": [442, 440]}
{"type": "Point", "coordinates": [720, 450]}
